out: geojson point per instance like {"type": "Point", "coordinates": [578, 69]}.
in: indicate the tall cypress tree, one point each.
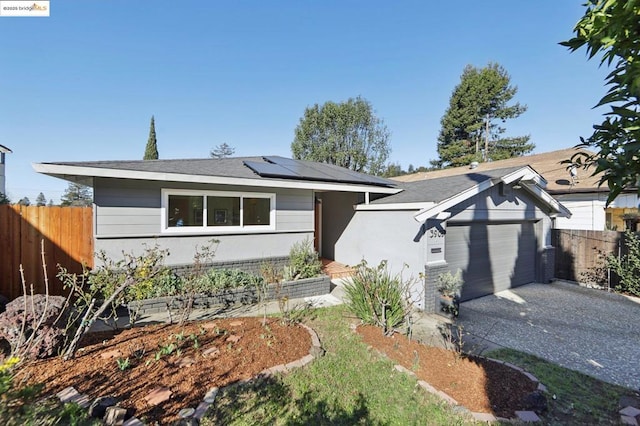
{"type": "Point", "coordinates": [151, 151]}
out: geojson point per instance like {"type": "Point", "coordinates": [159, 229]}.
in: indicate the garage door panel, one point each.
{"type": "Point", "coordinates": [492, 257]}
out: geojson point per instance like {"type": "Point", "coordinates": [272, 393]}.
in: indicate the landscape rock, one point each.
{"type": "Point", "coordinates": [115, 416]}
{"type": "Point", "coordinates": [49, 338]}
{"type": "Point", "coordinates": [99, 407]}
{"type": "Point", "coordinates": [535, 401]}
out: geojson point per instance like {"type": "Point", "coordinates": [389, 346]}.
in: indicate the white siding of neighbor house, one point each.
{"type": "Point", "coordinates": [128, 214]}
{"type": "Point", "coordinates": [587, 211]}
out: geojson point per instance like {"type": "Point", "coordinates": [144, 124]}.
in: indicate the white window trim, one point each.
{"type": "Point", "coordinates": [165, 229]}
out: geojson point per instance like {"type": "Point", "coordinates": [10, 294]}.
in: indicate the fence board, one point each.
{"type": "Point", "coordinates": [579, 253]}
{"type": "Point", "coordinates": [67, 233]}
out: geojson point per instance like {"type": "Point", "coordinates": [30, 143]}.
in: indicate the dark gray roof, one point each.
{"type": "Point", "coordinates": [235, 167]}
{"type": "Point", "coordinates": [440, 189]}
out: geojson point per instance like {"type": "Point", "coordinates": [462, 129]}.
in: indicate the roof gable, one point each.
{"type": "Point", "coordinates": [440, 194]}
{"type": "Point", "coordinates": [548, 164]}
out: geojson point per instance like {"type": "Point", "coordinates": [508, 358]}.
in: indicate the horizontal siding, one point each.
{"type": "Point", "coordinates": [230, 248]}
{"type": "Point", "coordinates": [130, 208]}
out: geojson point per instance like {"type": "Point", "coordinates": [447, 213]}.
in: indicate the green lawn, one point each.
{"type": "Point", "coordinates": [579, 398]}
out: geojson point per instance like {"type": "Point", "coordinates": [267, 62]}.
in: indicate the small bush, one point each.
{"type": "Point", "coordinates": [304, 262]}
{"type": "Point", "coordinates": [449, 284]}
{"type": "Point", "coordinates": [627, 267]}
{"type": "Point", "coordinates": [379, 298]}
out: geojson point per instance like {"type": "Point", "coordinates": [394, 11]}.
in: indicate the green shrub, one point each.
{"type": "Point", "coordinates": [167, 283]}
{"type": "Point", "coordinates": [627, 267]}
{"type": "Point", "coordinates": [449, 284]}
{"type": "Point", "coordinates": [216, 280]}
{"type": "Point", "coordinates": [379, 298]}
{"type": "Point", "coordinates": [304, 262]}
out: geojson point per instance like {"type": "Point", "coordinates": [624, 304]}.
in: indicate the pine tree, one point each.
{"type": "Point", "coordinates": [469, 131]}
{"type": "Point", "coordinates": [41, 200]}
{"type": "Point", "coordinates": [4, 199]}
{"type": "Point", "coordinates": [76, 195]}
{"type": "Point", "coordinates": [222, 151]}
{"type": "Point", "coordinates": [25, 201]}
{"type": "Point", "coordinates": [151, 150]}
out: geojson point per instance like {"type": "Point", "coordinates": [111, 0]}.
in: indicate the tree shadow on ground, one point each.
{"type": "Point", "coordinates": [269, 399]}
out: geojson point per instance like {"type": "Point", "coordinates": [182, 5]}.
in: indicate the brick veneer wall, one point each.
{"type": "Point", "coordinates": [246, 295]}
{"type": "Point", "coordinates": [251, 266]}
{"type": "Point", "coordinates": [431, 273]}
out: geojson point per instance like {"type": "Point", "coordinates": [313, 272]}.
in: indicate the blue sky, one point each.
{"type": "Point", "coordinates": [83, 83]}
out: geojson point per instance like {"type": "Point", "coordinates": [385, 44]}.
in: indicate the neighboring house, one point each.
{"type": "Point", "coordinates": [494, 225]}
{"type": "Point", "coordinates": [580, 193]}
{"type": "Point", "coordinates": [3, 150]}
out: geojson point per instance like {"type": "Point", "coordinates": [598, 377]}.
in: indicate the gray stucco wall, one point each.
{"type": "Point", "coordinates": [128, 215]}
{"type": "Point", "coordinates": [395, 236]}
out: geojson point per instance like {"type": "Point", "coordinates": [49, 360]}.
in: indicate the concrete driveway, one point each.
{"type": "Point", "coordinates": [588, 330]}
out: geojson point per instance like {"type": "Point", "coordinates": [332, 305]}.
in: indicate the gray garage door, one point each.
{"type": "Point", "coordinates": [492, 257]}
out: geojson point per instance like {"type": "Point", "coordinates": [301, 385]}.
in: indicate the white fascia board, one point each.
{"type": "Point", "coordinates": [59, 169]}
{"type": "Point", "coordinates": [524, 174]}
{"type": "Point", "coordinates": [546, 198]}
{"type": "Point", "coordinates": [394, 206]}
{"type": "Point", "coordinates": [438, 208]}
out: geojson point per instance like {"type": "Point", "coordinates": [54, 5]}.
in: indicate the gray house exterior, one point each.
{"type": "Point", "coordinates": [494, 226]}
{"type": "Point", "coordinates": [135, 202]}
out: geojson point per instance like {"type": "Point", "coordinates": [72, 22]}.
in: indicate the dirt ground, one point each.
{"type": "Point", "coordinates": [191, 359]}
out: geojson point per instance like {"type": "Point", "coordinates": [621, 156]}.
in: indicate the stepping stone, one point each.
{"type": "Point", "coordinates": [115, 416]}
{"type": "Point", "coordinates": [186, 361]}
{"type": "Point", "coordinates": [211, 352]}
{"type": "Point", "coordinates": [233, 339]}
{"type": "Point", "coordinates": [133, 421]}
{"type": "Point", "coordinates": [626, 420]}
{"type": "Point", "coordinates": [66, 394]}
{"type": "Point", "coordinates": [236, 323]}
{"type": "Point", "coordinates": [114, 353]}
{"type": "Point", "coordinates": [527, 416]}
{"type": "Point", "coordinates": [158, 396]}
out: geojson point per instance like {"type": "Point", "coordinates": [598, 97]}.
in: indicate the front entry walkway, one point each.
{"type": "Point", "coordinates": [588, 330]}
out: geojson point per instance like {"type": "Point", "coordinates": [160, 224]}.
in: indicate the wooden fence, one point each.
{"type": "Point", "coordinates": [67, 233]}
{"type": "Point", "coordinates": [579, 254]}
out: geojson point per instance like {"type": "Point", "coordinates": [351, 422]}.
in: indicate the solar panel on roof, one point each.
{"type": "Point", "coordinates": [270, 170]}
{"type": "Point", "coordinates": [330, 173]}
{"type": "Point", "coordinates": [296, 169]}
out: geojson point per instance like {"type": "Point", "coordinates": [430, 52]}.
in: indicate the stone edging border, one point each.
{"type": "Point", "coordinates": [523, 416]}
{"type": "Point", "coordinates": [115, 415]}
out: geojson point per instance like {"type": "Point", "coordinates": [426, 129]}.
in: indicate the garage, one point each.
{"type": "Point", "coordinates": [492, 256]}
